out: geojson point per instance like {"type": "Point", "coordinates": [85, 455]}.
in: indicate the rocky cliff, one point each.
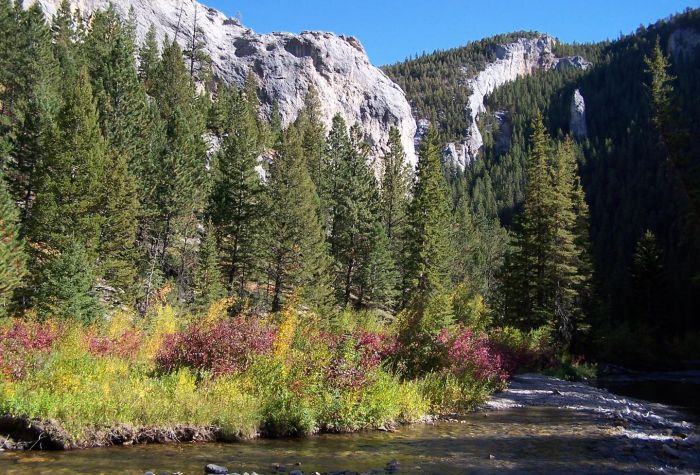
{"type": "Point", "coordinates": [286, 65]}
{"type": "Point", "coordinates": [513, 60]}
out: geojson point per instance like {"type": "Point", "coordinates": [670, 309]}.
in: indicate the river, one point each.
{"type": "Point", "coordinates": [529, 439]}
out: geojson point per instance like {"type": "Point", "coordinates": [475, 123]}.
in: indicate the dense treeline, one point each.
{"type": "Point", "coordinates": [130, 176]}
{"type": "Point", "coordinates": [639, 167]}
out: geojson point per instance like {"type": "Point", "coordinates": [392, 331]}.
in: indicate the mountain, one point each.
{"type": "Point", "coordinates": [286, 65]}
{"type": "Point", "coordinates": [476, 71]}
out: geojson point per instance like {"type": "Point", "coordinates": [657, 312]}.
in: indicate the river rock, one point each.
{"type": "Point", "coordinates": [215, 469]}
{"type": "Point", "coordinates": [296, 472]}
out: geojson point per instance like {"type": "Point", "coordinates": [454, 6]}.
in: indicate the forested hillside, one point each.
{"type": "Point", "coordinates": [639, 170]}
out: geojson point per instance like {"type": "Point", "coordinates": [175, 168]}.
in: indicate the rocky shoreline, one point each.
{"type": "Point", "coordinates": [649, 432]}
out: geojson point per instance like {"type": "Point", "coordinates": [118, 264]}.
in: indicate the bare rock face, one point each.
{"type": "Point", "coordinates": [513, 60]}
{"type": "Point", "coordinates": [577, 124]}
{"type": "Point", "coordinates": [683, 44]}
{"type": "Point", "coordinates": [286, 65]}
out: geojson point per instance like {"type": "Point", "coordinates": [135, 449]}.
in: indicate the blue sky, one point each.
{"type": "Point", "coordinates": [392, 30]}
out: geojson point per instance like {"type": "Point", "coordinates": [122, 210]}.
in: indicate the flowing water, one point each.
{"type": "Point", "coordinates": [526, 440]}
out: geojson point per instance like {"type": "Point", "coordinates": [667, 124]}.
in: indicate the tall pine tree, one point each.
{"type": "Point", "coordinates": [296, 251]}
{"type": "Point", "coordinates": [235, 205]}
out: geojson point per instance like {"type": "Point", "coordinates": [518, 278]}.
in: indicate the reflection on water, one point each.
{"type": "Point", "coordinates": [528, 440]}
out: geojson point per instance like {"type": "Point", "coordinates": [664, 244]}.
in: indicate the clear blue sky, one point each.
{"type": "Point", "coordinates": [392, 30]}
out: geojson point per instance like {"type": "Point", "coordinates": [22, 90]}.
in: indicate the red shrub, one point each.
{"type": "Point", "coordinates": [20, 343]}
{"type": "Point", "coordinates": [465, 353]}
{"type": "Point", "coordinates": [225, 347]}
{"type": "Point", "coordinates": [355, 355]}
{"type": "Point", "coordinates": [124, 346]}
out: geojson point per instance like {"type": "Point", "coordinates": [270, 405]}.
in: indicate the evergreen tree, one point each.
{"type": "Point", "coordinates": [355, 202]}
{"type": "Point", "coordinates": [65, 31]}
{"type": "Point", "coordinates": [70, 191]}
{"type": "Point", "coordinates": [12, 255]}
{"type": "Point", "coordinates": [198, 60]}
{"type": "Point", "coordinates": [314, 143]}
{"type": "Point", "coordinates": [667, 116]}
{"type": "Point", "coordinates": [296, 251]}
{"type": "Point", "coordinates": [326, 169]}
{"type": "Point", "coordinates": [176, 188]}
{"type": "Point", "coordinates": [379, 275]}
{"type": "Point", "coordinates": [428, 251]}
{"type": "Point", "coordinates": [649, 280]}
{"type": "Point", "coordinates": [235, 204]}
{"type": "Point", "coordinates": [149, 58]}
{"type": "Point", "coordinates": [427, 260]}
{"type": "Point", "coordinates": [67, 287]}
{"type": "Point", "coordinates": [395, 197]}
{"type": "Point", "coordinates": [530, 285]}
{"type": "Point", "coordinates": [122, 103]}
{"type": "Point", "coordinates": [395, 188]}
{"type": "Point", "coordinates": [117, 246]}
{"type": "Point", "coordinates": [208, 287]}
{"type": "Point", "coordinates": [36, 101]}
{"type": "Point", "coordinates": [567, 257]}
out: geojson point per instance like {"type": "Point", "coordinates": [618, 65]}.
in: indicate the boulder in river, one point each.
{"type": "Point", "coordinates": [215, 469]}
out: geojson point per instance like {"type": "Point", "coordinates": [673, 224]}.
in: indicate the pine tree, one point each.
{"type": "Point", "coordinates": [379, 280]}
{"type": "Point", "coordinates": [65, 31]}
{"type": "Point", "coordinates": [648, 279]}
{"type": "Point", "coordinates": [530, 285]}
{"type": "Point", "coordinates": [67, 287]}
{"type": "Point", "coordinates": [565, 260]}
{"type": "Point", "coordinates": [149, 59]}
{"type": "Point", "coordinates": [12, 255]}
{"type": "Point", "coordinates": [314, 143]}
{"type": "Point", "coordinates": [427, 260]}
{"type": "Point", "coordinates": [235, 204]}
{"type": "Point", "coordinates": [395, 188]}
{"type": "Point", "coordinates": [208, 286]}
{"type": "Point", "coordinates": [176, 182]}
{"type": "Point", "coordinates": [326, 169]}
{"type": "Point", "coordinates": [355, 202]}
{"type": "Point", "coordinates": [428, 247]}
{"type": "Point", "coordinates": [198, 60]}
{"type": "Point", "coordinates": [122, 103]}
{"type": "Point", "coordinates": [395, 197]}
{"type": "Point", "coordinates": [296, 251]}
{"type": "Point", "coordinates": [36, 101]}
{"type": "Point", "coordinates": [675, 137]}
{"type": "Point", "coordinates": [69, 198]}
{"type": "Point", "coordinates": [117, 246]}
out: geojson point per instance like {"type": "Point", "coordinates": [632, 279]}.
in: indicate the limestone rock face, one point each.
{"type": "Point", "coordinates": [286, 65]}
{"type": "Point", "coordinates": [513, 60]}
{"type": "Point", "coordinates": [577, 125]}
{"type": "Point", "coordinates": [683, 44]}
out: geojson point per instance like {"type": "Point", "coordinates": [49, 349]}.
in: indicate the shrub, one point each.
{"type": "Point", "coordinates": [524, 351]}
{"type": "Point", "coordinates": [467, 355]}
{"type": "Point", "coordinates": [20, 345]}
{"type": "Point", "coordinates": [225, 347]}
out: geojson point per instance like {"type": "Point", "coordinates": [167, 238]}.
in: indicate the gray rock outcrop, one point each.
{"type": "Point", "coordinates": [286, 65]}
{"type": "Point", "coordinates": [513, 60]}
{"type": "Point", "coordinates": [683, 44]}
{"type": "Point", "coordinates": [577, 124]}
